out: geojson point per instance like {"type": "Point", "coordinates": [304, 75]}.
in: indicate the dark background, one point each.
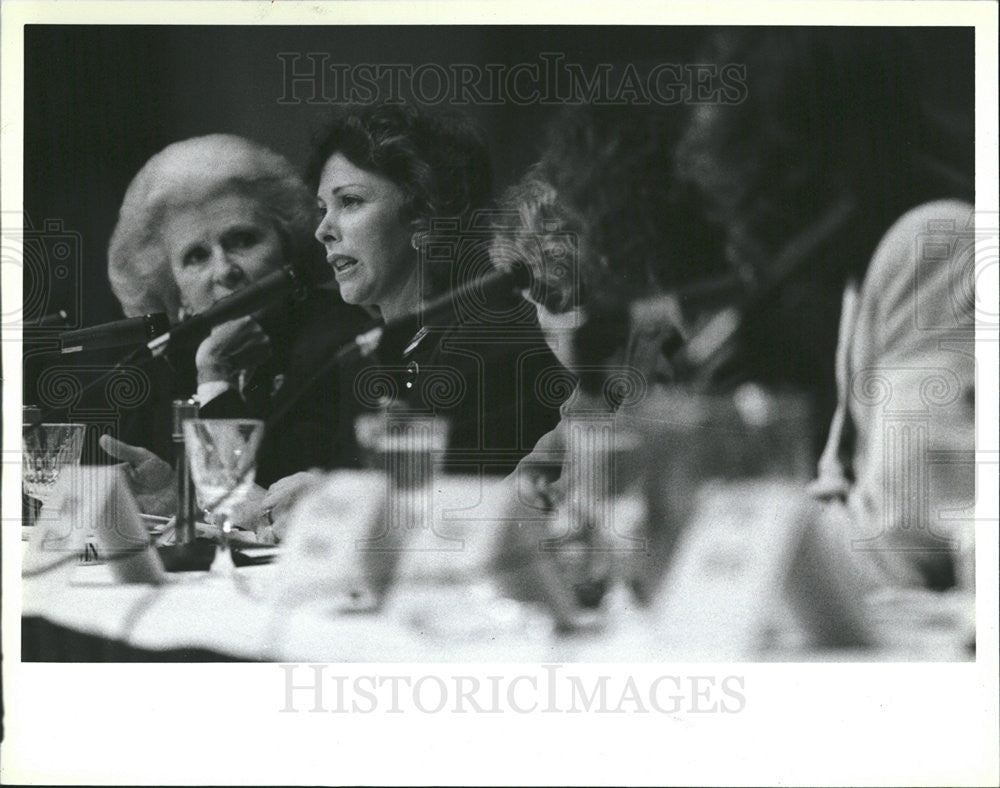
{"type": "Point", "coordinates": [100, 100]}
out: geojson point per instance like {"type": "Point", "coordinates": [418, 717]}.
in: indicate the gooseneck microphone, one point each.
{"type": "Point", "coordinates": [263, 293]}
{"type": "Point", "coordinates": [119, 333]}
{"type": "Point", "coordinates": [57, 319]}
{"type": "Point", "coordinates": [150, 336]}
{"type": "Point", "coordinates": [392, 334]}
{"type": "Point", "coordinates": [486, 289]}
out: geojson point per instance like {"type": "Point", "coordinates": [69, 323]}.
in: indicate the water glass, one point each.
{"type": "Point", "coordinates": [407, 446]}
{"type": "Point", "coordinates": [47, 449]}
{"type": "Point", "coordinates": [222, 454]}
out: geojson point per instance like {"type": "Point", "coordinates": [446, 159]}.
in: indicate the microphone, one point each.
{"type": "Point", "coordinates": [57, 319]}
{"type": "Point", "coordinates": [118, 333]}
{"type": "Point", "coordinates": [262, 293]}
{"type": "Point", "coordinates": [497, 283]}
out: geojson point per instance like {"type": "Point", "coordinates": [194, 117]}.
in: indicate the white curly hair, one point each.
{"type": "Point", "coordinates": [191, 173]}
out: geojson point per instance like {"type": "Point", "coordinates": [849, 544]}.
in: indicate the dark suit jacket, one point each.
{"type": "Point", "coordinates": [305, 337]}
{"type": "Point", "coordinates": [495, 381]}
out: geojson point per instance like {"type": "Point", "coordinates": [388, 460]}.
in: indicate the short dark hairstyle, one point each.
{"type": "Point", "coordinates": [440, 161]}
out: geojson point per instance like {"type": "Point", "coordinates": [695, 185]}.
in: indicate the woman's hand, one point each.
{"type": "Point", "coordinates": [284, 493]}
{"type": "Point", "coordinates": [151, 479]}
{"type": "Point", "coordinates": [250, 515]}
{"type": "Point", "coordinates": [232, 347]}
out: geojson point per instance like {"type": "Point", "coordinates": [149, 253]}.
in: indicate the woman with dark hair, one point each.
{"type": "Point", "coordinates": [398, 191]}
{"type": "Point", "coordinates": [402, 195]}
{"type": "Point", "coordinates": [831, 178]}
{"type": "Point", "coordinates": [439, 170]}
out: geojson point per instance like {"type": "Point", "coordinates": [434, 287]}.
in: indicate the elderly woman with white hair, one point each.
{"type": "Point", "coordinates": [202, 219]}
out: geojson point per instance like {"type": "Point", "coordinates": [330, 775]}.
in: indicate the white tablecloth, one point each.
{"type": "Point", "coordinates": [236, 618]}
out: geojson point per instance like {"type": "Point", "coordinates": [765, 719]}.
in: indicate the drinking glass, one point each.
{"type": "Point", "coordinates": [430, 552]}
{"type": "Point", "coordinates": [407, 449]}
{"type": "Point", "coordinates": [46, 450]}
{"type": "Point", "coordinates": [222, 454]}
{"type": "Point", "coordinates": [634, 477]}
{"type": "Point", "coordinates": [601, 528]}
{"type": "Point", "coordinates": [406, 446]}
{"type": "Point", "coordinates": [753, 433]}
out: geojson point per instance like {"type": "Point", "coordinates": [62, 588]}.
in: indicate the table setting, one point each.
{"type": "Point", "coordinates": [399, 562]}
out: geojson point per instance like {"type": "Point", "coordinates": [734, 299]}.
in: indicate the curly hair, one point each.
{"type": "Point", "coordinates": [192, 173]}
{"type": "Point", "coordinates": [440, 162]}
{"type": "Point", "coordinates": [537, 229]}
{"type": "Point", "coordinates": [831, 114]}
{"type": "Point", "coordinates": [604, 184]}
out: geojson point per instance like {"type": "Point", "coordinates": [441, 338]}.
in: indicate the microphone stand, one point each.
{"type": "Point", "coordinates": [253, 298]}
{"type": "Point", "coordinates": [188, 552]}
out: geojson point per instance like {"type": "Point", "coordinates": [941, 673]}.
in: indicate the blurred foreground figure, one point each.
{"type": "Point", "coordinates": [831, 173]}
{"type": "Point", "coordinates": [609, 239]}
{"type": "Point", "coordinates": [607, 243]}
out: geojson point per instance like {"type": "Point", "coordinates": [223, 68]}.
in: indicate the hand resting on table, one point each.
{"type": "Point", "coordinates": [281, 496]}
{"type": "Point", "coordinates": [151, 479]}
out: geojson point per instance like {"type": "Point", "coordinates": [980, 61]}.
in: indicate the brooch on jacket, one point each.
{"type": "Point", "coordinates": [415, 341]}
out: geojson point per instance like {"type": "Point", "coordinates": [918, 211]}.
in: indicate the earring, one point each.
{"type": "Point", "coordinates": [415, 240]}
